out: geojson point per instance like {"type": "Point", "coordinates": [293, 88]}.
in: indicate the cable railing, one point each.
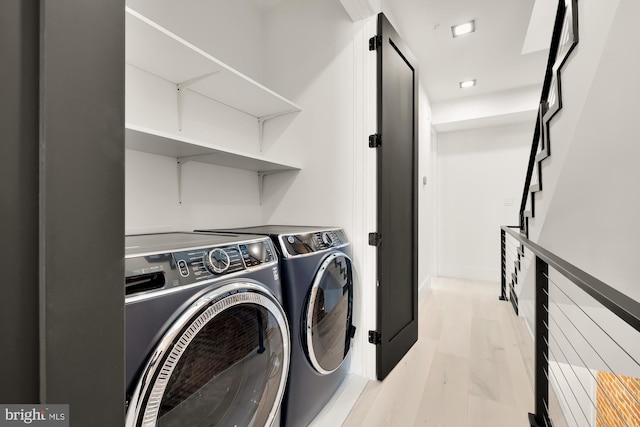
{"type": "Point", "coordinates": [515, 266]}
{"type": "Point", "coordinates": [586, 339]}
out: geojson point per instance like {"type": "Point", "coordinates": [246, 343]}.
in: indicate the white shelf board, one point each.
{"type": "Point", "coordinates": [158, 51]}
{"type": "Point", "coordinates": [151, 141]}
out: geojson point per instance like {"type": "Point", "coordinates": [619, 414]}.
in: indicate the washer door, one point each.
{"type": "Point", "coordinates": [224, 362]}
{"type": "Point", "coordinates": [329, 314]}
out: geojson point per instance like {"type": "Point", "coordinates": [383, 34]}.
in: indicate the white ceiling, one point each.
{"type": "Point", "coordinates": [492, 55]}
{"type": "Point", "coordinates": [508, 51]}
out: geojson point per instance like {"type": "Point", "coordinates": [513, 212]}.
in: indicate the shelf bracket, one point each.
{"type": "Point", "coordinates": [263, 119]}
{"type": "Point", "coordinates": [181, 87]}
{"type": "Point", "coordinates": [179, 180]}
{"type": "Point", "coordinates": [181, 161]}
{"type": "Point", "coordinates": [261, 176]}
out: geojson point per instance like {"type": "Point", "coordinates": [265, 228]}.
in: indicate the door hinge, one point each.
{"type": "Point", "coordinates": [375, 140]}
{"type": "Point", "coordinates": [375, 42]}
{"type": "Point", "coordinates": [352, 331]}
{"type": "Point", "coordinates": [375, 239]}
{"type": "Point", "coordinates": [375, 337]}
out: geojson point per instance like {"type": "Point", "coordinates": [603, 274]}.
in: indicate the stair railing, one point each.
{"type": "Point", "coordinates": [563, 41]}
{"type": "Point", "coordinates": [512, 262]}
{"type": "Point", "coordinates": [566, 349]}
{"type": "Point", "coordinates": [568, 316]}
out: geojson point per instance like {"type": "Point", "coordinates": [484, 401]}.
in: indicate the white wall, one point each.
{"type": "Point", "coordinates": [229, 30]}
{"type": "Point", "coordinates": [592, 218]}
{"type": "Point", "coordinates": [506, 106]}
{"type": "Point", "coordinates": [311, 49]}
{"type": "Point", "coordinates": [595, 20]}
{"type": "Point", "coordinates": [427, 185]}
{"type": "Point", "coordinates": [151, 184]}
{"type": "Point", "coordinates": [585, 211]}
{"type": "Point", "coordinates": [151, 195]}
{"type": "Point", "coordinates": [309, 46]}
{"type": "Point", "coordinates": [479, 172]}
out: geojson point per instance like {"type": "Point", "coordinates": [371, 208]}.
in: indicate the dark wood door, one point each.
{"type": "Point", "coordinates": [397, 198]}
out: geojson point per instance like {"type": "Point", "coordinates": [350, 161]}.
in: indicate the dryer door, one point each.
{"type": "Point", "coordinates": [224, 362]}
{"type": "Point", "coordinates": [328, 320]}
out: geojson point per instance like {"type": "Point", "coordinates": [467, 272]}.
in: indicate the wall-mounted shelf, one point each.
{"type": "Point", "coordinates": [155, 49]}
{"type": "Point", "coordinates": [186, 149]}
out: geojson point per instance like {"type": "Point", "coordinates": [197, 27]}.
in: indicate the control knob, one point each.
{"type": "Point", "coordinates": [217, 261]}
{"type": "Point", "coordinates": [326, 238]}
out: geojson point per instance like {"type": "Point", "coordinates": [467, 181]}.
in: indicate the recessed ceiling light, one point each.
{"type": "Point", "coordinates": [467, 84]}
{"type": "Point", "coordinates": [462, 29]}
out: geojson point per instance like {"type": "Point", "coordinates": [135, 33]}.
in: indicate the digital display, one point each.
{"type": "Point", "coordinates": [256, 253]}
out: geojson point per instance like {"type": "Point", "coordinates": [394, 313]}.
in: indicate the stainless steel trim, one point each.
{"type": "Point", "coordinates": [235, 274]}
{"type": "Point", "coordinates": [309, 315]}
{"type": "Point", "coordinates": [151, 388]}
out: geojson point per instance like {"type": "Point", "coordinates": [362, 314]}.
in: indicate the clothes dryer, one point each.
{"type": "Point", "coordinates": [207, 340]}
{"type": "Point", "coordinates": [318, 292]}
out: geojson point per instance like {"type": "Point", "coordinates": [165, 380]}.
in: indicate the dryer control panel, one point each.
{"type": "Point", "coordinates": [305, 243]}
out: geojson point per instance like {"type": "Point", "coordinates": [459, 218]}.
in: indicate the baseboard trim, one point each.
{"type": "Point", "coordinates": [423, 289]}
{"type": "Point", "coordinates": [336, 411]}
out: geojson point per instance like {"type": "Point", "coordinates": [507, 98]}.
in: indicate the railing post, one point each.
{"type": "Point", "coordinates": [503, 265]}
{"type": "Point", "coordinates": [541, 416]}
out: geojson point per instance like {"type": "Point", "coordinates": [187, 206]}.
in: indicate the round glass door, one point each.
{"type": "Point", "coordinates": [328, 321]}
{"type": "Point", "coordinates": [223, 363]}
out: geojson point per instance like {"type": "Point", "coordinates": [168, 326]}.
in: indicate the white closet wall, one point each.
{"type": "Point", "coordinates": [167, 188]}
{"type": "Point", "coordinates": [309, 58]}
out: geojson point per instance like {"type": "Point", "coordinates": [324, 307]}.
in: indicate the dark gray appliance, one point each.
{"type": "Point", "coordinates": [207, 340]}
{"type": "Point", "coordinates": [318, 286]}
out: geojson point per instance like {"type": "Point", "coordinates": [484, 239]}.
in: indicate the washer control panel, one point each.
{"type": "Point", "coordinates": [206, 263]}
{"type": "Point", "coordinates": [301, 244]}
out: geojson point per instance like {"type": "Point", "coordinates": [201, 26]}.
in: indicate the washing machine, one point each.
{"type": "Point", "coordinates": [318, 292]}
{"type": "Point", "coordinates": [207, 339]}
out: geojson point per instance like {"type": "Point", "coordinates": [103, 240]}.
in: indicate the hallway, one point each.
{"type": "Point", "coordinates": [467, 368]}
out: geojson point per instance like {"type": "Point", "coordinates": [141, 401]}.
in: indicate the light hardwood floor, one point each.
{"type": "Point", "coordinates": [472, 366]}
